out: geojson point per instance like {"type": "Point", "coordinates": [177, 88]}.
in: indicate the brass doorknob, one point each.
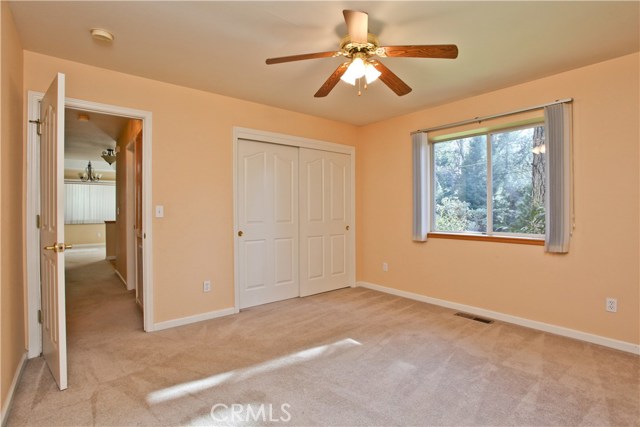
{"type": "Point", "coordinates": [58, 247]}
{"type": "Point", "coordinates": [347, 228]}
{"type": "Point", "coordinates": [240, 233]}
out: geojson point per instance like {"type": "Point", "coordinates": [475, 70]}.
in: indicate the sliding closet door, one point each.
{"type": "Point", "coordinates": [325, 192]}
{"type": "Point", "coordinates": [268, 222]}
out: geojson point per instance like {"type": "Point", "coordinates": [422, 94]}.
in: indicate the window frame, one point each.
{"type": "Point", "coordinates": [489, 234]}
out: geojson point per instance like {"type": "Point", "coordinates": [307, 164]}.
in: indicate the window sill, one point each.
{"type": "Point", "coordinates": [485, 238]}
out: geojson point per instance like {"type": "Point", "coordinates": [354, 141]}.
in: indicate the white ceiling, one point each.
{"type": "Point", "coordinates": [87, 139]}
{"type": "Point", "coordinates": [221, 46]}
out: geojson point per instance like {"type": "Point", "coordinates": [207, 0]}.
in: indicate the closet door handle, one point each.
{"type": "Point", "coordinates": [240, 233]}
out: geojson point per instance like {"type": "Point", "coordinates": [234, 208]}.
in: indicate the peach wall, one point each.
{"type": "Point", "coordinates": [84, 234]}
{"type": "Point", "coordinates": [12, 329]}
{"type": "Point", "coordinates": [192, 172]}
{"type": "Point", "coordinates": [564, 290]}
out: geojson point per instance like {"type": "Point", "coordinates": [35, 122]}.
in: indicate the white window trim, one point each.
{"type": "Point", "coordinates": [432, 170]}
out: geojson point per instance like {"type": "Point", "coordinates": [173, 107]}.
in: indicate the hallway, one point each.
{"type": "Point", "coordinates": [98, 305]}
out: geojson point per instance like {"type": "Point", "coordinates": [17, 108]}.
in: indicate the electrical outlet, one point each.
{"type": "Point", "coordinates": [206, 286]}
{"type": "Point", "coordinates": [612, 305]}
{"type": "Point", "coordinates": [385, 266]}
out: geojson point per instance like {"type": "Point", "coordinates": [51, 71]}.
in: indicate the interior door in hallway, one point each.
{"type": "Point", "coordinates": [325, 205]}
{"type": "Point", "coordinates": [267, 222]}
{"type": "Point", "coordinates": [52, 280]}
{"type": "Point", "coordinates": [138, 221]}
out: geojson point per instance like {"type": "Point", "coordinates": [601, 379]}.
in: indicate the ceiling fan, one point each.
{"type": "Point", "coordinates": [361, 48]}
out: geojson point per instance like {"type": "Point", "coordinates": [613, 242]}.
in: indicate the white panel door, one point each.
{"type": "Point", "coordinates": [325, 192]}
{"type": "Point", "coordinates": [267, 222]}
{"type": "Point", "coordinates": [54, 330]}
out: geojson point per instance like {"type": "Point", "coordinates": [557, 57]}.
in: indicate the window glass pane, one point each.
{"type": "Point", "coordinates": [518, 181]}
{"type": "Point", "coordinates": [460, 184]}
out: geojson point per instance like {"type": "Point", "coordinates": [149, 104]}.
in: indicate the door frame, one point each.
{"type": "Point", "coordinates": [32, 209]}
{"type": "Point", "coordinates": [130, 206]}
{"type": "Point", "coordinates": [293, 141]}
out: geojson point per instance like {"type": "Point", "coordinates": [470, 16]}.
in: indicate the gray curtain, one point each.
{"type": "Point", "coordinates": [558, 173]}
{"type": "Point", "coordinates": [421, 176]}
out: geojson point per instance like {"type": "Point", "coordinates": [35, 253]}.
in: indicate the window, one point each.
{"type": "Point", "coordinates": [523, 172]}
{"type": "Point", "coordinates": [491, 183]}
{"type": "Point", "coordinates": [89, 203]}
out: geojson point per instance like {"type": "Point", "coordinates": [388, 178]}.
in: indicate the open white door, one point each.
{"type": "Point", "coordinates": [54, 330]}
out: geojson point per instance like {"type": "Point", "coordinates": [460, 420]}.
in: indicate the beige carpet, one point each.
{"type": "Point", "coordinates": [349, 357]}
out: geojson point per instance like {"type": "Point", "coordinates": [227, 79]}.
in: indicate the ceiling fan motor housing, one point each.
{"type": "Point", "coordinates": [349, 48]}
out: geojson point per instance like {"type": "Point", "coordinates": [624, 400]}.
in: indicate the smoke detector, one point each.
{"type": "Point", "coordinates": [101, 35]}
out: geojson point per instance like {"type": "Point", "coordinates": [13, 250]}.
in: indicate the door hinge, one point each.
{"type": "Point", "coordinates": [38, 221]}
{"type": "Point", "coordinates": [39, 128]}
{"type": "Point", "coordinates": [40, 316]}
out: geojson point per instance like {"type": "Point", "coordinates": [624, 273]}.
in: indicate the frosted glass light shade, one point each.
{"type": "Point", "coordinates": [371, 73]}
{"type": "Point", "coordinates": [355, 70]}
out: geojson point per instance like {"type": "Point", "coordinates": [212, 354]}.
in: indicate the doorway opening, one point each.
{"type": "Point", "coordinates": [98, 198]}
{"type": "Point", "coordinates": [144, 260]}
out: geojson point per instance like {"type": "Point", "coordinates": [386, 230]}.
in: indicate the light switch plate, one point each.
{"type": "Point", "coordinates": [159, 211]}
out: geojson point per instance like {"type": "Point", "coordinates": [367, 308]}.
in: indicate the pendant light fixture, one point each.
{"type": "Point", "coordinates": [109, 155]}
{"type": "Point", "coordinates": [89, 175]}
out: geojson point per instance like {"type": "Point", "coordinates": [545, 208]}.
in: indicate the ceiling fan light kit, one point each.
{"type": "Point", "coordinates": [360, 47]}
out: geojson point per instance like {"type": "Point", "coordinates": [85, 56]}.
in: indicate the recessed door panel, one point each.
{"type": "Point", "coordinates": [285, 261]}
{"type": "Point", "coordinates": [314, 188]}
{"type": "Point", "coordinates": [338, 254]}
{"type": "Point", "coordinates": [284, 187]}
{"type": "Point", "coordinates": [255, 171]}
{"type": "Point", "coordinates": [338, 183]}
{"type": "Point", "coordinates": [315, 256]}
{"type": "Point", "coordinates": [255, 252]}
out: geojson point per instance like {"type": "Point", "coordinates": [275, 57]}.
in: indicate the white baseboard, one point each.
{"type": "Point", "coordinates": [121, 278]}
{"type": "Point", "coordinates": [533, 324]}
{"type": "Point", "coordinates": [193, 319]}
{"type": "Point", "coordinates": [6, 405]}
{"type": "Point", "coordinates": [88, 246]}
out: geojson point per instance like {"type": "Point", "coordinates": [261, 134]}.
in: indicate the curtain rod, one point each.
{"type": "Point", "coordinates": [493, 116]}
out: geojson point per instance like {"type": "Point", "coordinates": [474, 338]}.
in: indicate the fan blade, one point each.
{"type": "Point", "coordinates": [332, 81]}
{"type": "Point", "coordinates": [391, 80]}
{"type": "Point", "coordinates": [357, 25]}
{"type": "Point", "coordinates": [301, 57]}
{"type": "Point", "coordinates": [449, 51]}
